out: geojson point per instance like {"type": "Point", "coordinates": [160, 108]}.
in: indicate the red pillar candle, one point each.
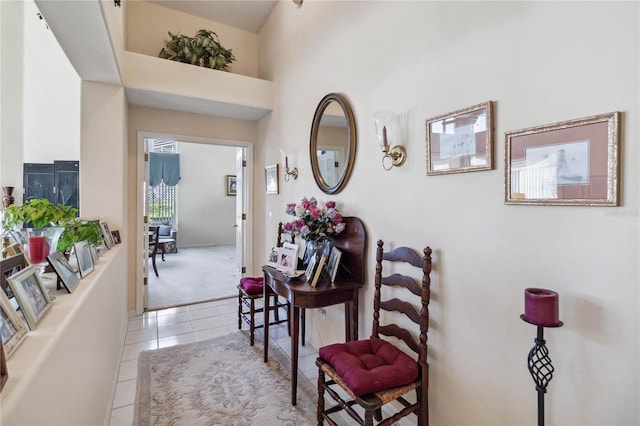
{"type": "Point", "coordinates": [36, 249]}
{"type": "Point", "coordinates": [541, 307]}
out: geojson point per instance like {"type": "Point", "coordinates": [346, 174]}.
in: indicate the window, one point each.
{"type": "Point", "coordinates": [162, 198]}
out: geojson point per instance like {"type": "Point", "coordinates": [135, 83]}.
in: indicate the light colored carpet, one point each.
{"type": "Point", "coordinates": [193, 275]}
{"type": "Point", "coordinates": [220, 381]}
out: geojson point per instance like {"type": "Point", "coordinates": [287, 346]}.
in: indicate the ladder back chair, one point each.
{"type": "Point", "coordinates": [153, 246]}
{"type": "Point", "coordinates": [250, 290]}
{"type": "Point", "coordinates": [374, 372]}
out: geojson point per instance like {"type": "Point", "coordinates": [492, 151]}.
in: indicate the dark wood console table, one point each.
{"type": "Point", "coordinates": [299, 294]}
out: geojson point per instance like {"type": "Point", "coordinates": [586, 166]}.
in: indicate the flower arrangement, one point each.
{"type": "Point", "coordinates": [316, 221]}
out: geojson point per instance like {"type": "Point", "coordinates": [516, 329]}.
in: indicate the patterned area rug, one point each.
{"type": "Point", "coordinates": [220, 381]}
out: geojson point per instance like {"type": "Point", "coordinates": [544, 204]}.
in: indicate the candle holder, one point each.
{"type": "Point", "coordinates": [539, 365]}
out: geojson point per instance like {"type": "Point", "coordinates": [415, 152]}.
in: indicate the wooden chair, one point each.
{"type": "Point", "coordinates": [374, 372]}
{"type": "Point", "coordinates": [153, 246]}
{"type": "Point", "coordinates": [250, 290]}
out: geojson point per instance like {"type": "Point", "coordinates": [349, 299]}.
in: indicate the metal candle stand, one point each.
{"type": "Point", "coordinates": [540, 367]}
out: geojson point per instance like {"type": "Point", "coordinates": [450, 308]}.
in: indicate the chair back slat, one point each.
{"type": "Point", "coordinates": [399, 280]}
{"type": "Point", "coordinates": [404, 254]}
{"type": "Point", "coordinates": [403, 307]}
{"type": "Point", "coordinates": [393, 330]}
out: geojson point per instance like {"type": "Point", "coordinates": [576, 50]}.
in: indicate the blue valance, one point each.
{"type": "Point", "coordinates": [164, 168]}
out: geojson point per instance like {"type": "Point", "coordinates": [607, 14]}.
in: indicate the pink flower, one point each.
{"type": "Point", "coordinates": [315, 212]}
{"type": "Point", "coordinates": [337, 218]}
{"type": "Point", "coordinates": [331, 204]}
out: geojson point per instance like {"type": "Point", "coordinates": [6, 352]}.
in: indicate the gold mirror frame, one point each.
{"type": "Point", "coordinates": [351, 143]}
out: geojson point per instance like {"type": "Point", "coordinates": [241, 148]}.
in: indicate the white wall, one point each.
{"type": "Point", "coordinates": [206, 213]}
{"type": "Point", "coordinates": [541, 62]}
{"type": "Point", "coordinates": [39, 121]}
{"type": "Point", "coordinates": [51, 95]}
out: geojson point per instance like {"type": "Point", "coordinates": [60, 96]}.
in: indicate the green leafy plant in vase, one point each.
{"type": "Point", "coordinates": [41, 239]}
{"type": "Point", "coordinates": [204, 49]}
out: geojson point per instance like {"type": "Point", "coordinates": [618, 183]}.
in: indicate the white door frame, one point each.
{"type": "Point", "coordinates": [142, 257]}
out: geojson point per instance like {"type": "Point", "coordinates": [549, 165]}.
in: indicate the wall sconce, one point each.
{"type": "Point", "coordinates": [391, 129]}
{"type": "Point", "coordinates": [288, 172]}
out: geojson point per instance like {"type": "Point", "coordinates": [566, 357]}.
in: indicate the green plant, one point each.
{"type": "Point", "coordinates": [75, 230]}
{"type": "Point", "coordinates": [37, 211]}
{"type": "Point", "coordinates": [204, 49]}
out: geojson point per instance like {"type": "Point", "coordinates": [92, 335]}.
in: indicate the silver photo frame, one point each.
{"type": "Point", "coordinates": [31, 294]}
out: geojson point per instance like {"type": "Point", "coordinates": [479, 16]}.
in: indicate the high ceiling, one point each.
{"type": "Point", "coordinates": [249, 15]}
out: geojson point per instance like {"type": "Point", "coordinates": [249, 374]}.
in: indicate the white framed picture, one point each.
{"type": "Point", "coordinates": [83, 255]}
{"type": "Point", "coordinates": [31, 294]}
{"type": "Point", "coordinates": [12, 330]}
{"type": "Point", "coordinates": [287, 257]}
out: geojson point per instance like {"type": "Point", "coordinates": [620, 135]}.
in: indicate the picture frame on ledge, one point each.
{"type": "Point", "coordinates": [272, 179]}
{"type": "Point", "coordinates": [31, 294]}
{"type": "Point", "coordinates": [12, 330]}
{"type": "Point", "coordinates": [570, 163]}
{"type": "Point", "coordinates": [461, 141]}
{"type": "Point", "coordinates": [64, 271]}
{"type": "Point", "coordinates": [83, 255]}
{"type": "Point", "coordinates": [106, 235]}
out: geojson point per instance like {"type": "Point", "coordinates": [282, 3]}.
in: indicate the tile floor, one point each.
{"type": "Point", "coordinates": [174, 326]}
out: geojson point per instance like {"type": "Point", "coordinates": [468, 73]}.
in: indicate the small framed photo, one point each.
{"type": "Point", "coordinates": [64, 271]}
{"type": "Point", "coordinates": [287, 258]}
{"type": "Point", "coordinates": [14, 249]}
{"type": "Point", "coordinates": [231, 185]}
{"type": "Point", "coordinates": [31, 294]}
{"type": "Point", "coordinates": [571, 163]}
{"type": "Point", "coordinates": [272, 179]}
{"type": "Point", "coordinates": [10, 266]}
{"type": "Point", "coordinates": [106, 234]}
{"type": "Point", "coordinates": [12, 330]}
{"type": "Point", "coordinates": [311, 267]}
{"type": "Point", "coordinates": [116, 237]}
{"type": "Point", "coordinates": [461, 141]}
{"type": "Point", "coordinates": [83, 254]}
{"type": "Point", "coordinates": [94, 254]}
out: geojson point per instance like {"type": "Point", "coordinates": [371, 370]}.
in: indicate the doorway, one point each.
{"type": "Point", "coordinates": [205, 267]}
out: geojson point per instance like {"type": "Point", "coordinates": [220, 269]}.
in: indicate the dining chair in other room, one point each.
{"type": "Point", "coordinates": [374, 372]}
{"type": "Point", "coordinates": [153, 246]}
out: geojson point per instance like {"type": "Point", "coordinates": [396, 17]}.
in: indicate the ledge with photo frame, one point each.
{"type": "Point", "coordinates": [71, 340]}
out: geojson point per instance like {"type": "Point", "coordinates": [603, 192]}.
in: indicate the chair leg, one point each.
{"type": "Point", "coordinates": [153, 262]}
{"type": "Point", "coordinates": [239, 310]}
{"type": "Point", "coordinates": [275, 303]}
{"type": "Point", "coordinates": [252, 322]}
{"type": "Point", "coordinates": [320, 403]}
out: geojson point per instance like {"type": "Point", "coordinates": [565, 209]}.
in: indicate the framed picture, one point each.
{"type": "Point", "coordinates": [14, 249]}
{"type": "Point", "coordinates": [461, 141]}
{"type": "Point", "coordinates": [287, 257]}
{"type": "Point", "coordinates": [573, 163]}
{"type": "Point", "coordinates": [334, 262]}
{"type": "Point", "coordinates": [272, 179]}
{"type": "Point", "coordinates": [12, 330]}
{"type": "Point", "coordinates": [10, 266]}
{"type": "Point", "coordinates": [106, 234]}
{"type": "Point", "coordinates": [63, 270]}
{"type": "Point", "coordinates": [231, 185]}
{"type": "Point", "coordinates": [83, 254]}
{"type": "Point", "coordinates": [116, 237]}
{"type": "Point", "coordinates": [31, 294]}
{"type": "Point", "coordinates": [94, 254]}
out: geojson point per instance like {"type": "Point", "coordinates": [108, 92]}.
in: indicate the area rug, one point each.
{"type": "Point", "coordinates": [220, 381]}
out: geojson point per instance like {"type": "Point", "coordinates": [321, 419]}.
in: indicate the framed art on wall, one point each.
{"type": "Point", "coordinates": [231, 185]}
{"type": "Point", "coordinates": [572, 162]}
{"type": "Point", "coordinates": [31, 294]}
{"type": "Point", "coordinates": [64, 271]}
{"type": "Point", "coordinates": [461, 141]}
{"type": "Point", "coordinates": [272, 179]}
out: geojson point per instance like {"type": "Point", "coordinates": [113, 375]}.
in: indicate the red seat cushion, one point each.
{"type": "Point", "coordinates": [252, 285]}
{"type": "Point", "coordinates": [371, 365]}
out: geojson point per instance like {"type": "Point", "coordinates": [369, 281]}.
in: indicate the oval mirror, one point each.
{"type": "Point", "coordinates": [333, 143]}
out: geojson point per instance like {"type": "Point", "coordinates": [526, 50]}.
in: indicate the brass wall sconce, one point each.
{"type": "Point", "coordinates": [288, 172]}
{"type": "Point", "coordinates": [391, 128]}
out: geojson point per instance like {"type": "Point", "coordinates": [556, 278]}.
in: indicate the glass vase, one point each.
{"type": "Point", "coordinates": [38, 243]}
{"type": "Point", "coordinates": [317, 248]}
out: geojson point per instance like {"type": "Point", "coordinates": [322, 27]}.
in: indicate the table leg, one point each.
{"type": "Point", "coordinates": [294, 353]}
{"type": "Point", "coordinates": [351, 318]}
{"type": "Point", "coordinates": [266, 295]}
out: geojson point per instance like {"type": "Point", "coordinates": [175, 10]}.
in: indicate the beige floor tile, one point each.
{"type": "Point", "coordinates": [177, 340]}
{"type": "Point", "coordinates": [130, 352]}
{"type": "Point", "coordinates": [208, 333]}
{"type": "Point", "coordinates": [122, 416]}
{"type": "Point", "coordinates": [174, 329]}
{"type": "Point", "coordinates": [125, 393]}
{"type": "Point", "coordinates": [204, 313]}
{"type": "Point", "coordinates": [128, 370]}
